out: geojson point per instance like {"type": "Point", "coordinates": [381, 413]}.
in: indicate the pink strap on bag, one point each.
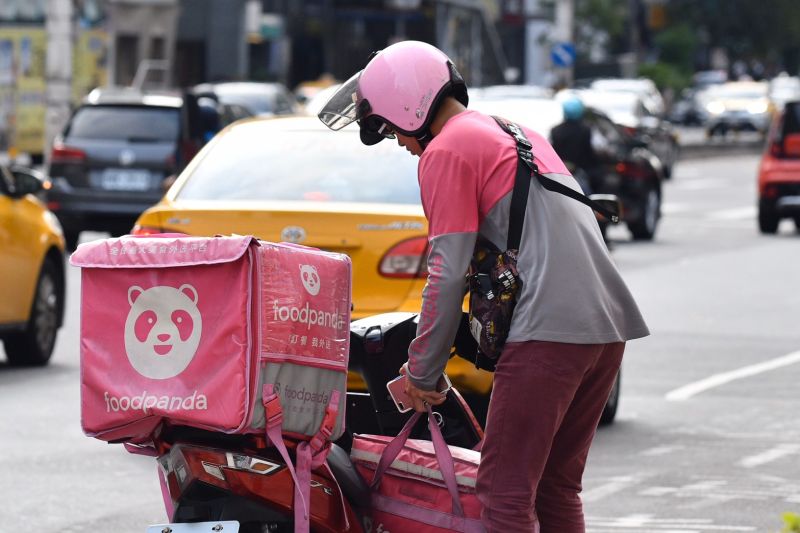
{"type": "Point", "coordinates": [309, 455]}
{"type": "Point", "coordinates": [274, 418]}
{"type": "Point", "coordinates": [443, 456]}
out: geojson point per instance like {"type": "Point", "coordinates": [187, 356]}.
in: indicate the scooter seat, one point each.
{"type": "Point", "coordinates": [353, 486]}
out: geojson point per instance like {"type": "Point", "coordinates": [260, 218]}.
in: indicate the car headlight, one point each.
{"type": "Point", "coordinates": [757, 108]}
{"type": "Point", "coordinates": [715, 108]}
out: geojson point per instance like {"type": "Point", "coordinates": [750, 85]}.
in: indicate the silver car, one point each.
{"type": "Point", "coordinates": [737, 106]}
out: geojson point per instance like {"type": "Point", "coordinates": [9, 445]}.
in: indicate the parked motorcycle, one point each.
{"type": "Point", "coordinates": [216, 482]}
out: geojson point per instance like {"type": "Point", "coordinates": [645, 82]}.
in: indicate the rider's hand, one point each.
{"type": "Point", "coordinates": [421, 398]}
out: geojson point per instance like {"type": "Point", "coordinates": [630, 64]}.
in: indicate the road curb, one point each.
{"type": "Point", "coordinates": [699, 151]}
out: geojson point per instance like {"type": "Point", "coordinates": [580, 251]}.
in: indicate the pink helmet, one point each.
{"type": "Point", "coordinates": [400, 89]}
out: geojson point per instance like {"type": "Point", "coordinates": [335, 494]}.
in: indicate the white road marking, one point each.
{"type": "Point", "coordinates": [617, 484]}
{"type": "Point", "coordinates": [692, 389]}
{"type": "Point", "coordinates": [773, 454]}
{"type": "Point", "coordinates": [663, 525]}
{"type": "Point", "coordinates": [658, 491]}
{"type": "Point", "coordinates": [736, 213]}
{"type": "Point", "coordinates": [660, 450]}
{"type": "Point", "coordinates": [702, 184]}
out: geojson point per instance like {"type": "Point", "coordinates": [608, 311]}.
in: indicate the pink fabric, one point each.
{"type": "Point", "coordinates": [546, 402]}
{"type": "Point", "coordinates": [168, 341]}
{"type": "Point", "coordinates": [478, 177]}
{"type": "Point", "coordinates": [176, 327]}
{"type": "Point", "coordinates": [426, 487]}
{"type": "Point", "coordinates": [165, 250]}
{"type": "Point", "coordinates": [306, 311]}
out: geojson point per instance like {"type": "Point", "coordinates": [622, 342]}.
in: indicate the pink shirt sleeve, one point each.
{"type": "Point", "coordinates": [449, 190]}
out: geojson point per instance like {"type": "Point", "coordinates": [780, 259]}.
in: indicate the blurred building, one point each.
{"type": "Point", "coordinates": [337, 36]}
{"type": "Point", "coordinates": [53, 52]}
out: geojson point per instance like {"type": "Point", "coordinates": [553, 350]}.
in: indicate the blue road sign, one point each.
{"type": "Point", "coordinates": [563, 54]}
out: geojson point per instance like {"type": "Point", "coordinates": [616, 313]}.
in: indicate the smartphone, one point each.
{"type": "Point", "coordinates": [397, 390]}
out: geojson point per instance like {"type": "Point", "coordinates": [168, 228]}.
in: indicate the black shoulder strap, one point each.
{"type": "Point", "coordinates": [519, 198]}
{"type": "Point", "coordinates": [519, 203]}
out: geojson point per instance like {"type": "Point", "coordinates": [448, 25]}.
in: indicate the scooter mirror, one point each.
{"type": "Point", "coordinates": [608, 201]}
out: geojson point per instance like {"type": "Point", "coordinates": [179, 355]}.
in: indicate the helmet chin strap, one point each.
{"type": "Point", "coordinates": [425, 138]}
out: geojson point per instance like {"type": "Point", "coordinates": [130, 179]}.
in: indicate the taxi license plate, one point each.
{"type": "Point", "coordinates": [114, 179]}
{"type": "Point", "coordinates": [228, 526]}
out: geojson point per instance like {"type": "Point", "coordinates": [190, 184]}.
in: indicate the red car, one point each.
{"type": "Point", "coordinates": [779, 173]}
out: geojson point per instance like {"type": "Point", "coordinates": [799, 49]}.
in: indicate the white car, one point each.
{"type": "Point", "coordinates": [738, 106]}
{"type": "Point", "coordinates": [643, 87]}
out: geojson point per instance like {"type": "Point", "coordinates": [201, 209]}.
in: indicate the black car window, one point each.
{"type": "Point", "coordinates": [791, 120]}
{"type": "Point", "coordinates": [307, 165]}
{"type": "Point", "coordinates": [6, 181]}
{"type": "Point", "coordinates": [127, 123]}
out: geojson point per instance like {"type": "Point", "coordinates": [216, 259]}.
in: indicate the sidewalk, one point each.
{"type": "Point", "coordinates": [694, 144]}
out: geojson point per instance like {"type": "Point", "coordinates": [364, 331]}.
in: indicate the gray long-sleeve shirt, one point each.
{"type": "Point", "coordinates": [571, 290]}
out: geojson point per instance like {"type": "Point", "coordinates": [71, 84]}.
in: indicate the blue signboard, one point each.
{"type": "Point", "coordinates": [563, 54]}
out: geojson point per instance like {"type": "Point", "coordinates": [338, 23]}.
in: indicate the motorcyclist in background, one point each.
{"type": "Point", "coordinates": [572, 141]}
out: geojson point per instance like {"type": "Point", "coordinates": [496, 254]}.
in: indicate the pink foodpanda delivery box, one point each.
{"type": "Point", "coordinates": [192, 330]}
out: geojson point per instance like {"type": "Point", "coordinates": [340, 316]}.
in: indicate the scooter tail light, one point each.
{"type": "Point", "coordinates": [632, 170]}
{"type": "Point", "coordinates": [407, 259]}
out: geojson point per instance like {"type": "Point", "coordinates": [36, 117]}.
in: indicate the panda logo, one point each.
{"type": "Point", "coordinates": [163, 329]}
{"type": "Point", "coordinates": [310, 279]}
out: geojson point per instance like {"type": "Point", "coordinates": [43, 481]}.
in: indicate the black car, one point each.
{"type": "Point", "coordinates": [108, 164]}
{"type": "Point", "coordinates": [118, 151]}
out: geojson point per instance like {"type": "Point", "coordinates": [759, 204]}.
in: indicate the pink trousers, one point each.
{"type": "Point", "coordinates": [546, 402]}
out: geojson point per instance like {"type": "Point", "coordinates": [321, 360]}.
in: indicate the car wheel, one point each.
{"type": "Point", "coordinates": [610, 409]}
{"type": "Point", "coordinates": [768, 219]}
{"type": "Point", "coordinates": [71, 238]}
{"type": "Point", "coordinates": [34, 345]}
{"type": "Point", "coordinates": [797, 224]}
{"type": "Point", "coordinates": [673, 156]}
{"type": "Point", "coordinates": [644, 228]}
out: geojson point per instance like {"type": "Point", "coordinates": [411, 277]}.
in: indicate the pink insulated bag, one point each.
{"type": "Point", "coordinates": [419, 486]}
{"type": "Point", "coordinates": [209, 332]}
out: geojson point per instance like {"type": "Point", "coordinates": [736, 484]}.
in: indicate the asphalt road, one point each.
{"type": "Point", "coordinates": [708, 434]}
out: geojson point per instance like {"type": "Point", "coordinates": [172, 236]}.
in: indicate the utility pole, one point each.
{"type": "Point", "coordinates": [565, 33]}
{"type": "Point", "coordinates": [537, 28]}
{"type": "Point", "coordinates": [58, 68]}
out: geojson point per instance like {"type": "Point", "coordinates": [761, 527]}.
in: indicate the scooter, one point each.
{"type": "Point", "coordinates": [214, 482]}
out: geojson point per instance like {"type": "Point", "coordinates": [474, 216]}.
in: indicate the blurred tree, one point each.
{"type": "Point", "coordinates": [675, 46]}
{"type": "Point", "coordinates": [746, 29]}
{"type": "Point", "coordinates": [601, 16]}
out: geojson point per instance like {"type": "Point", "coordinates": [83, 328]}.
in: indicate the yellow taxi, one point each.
{"type": "Point", "coordinates": [32, 282]}
{"type": "Point", "coordinates": [291, 179]}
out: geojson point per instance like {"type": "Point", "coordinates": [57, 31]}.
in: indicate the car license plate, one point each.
{"type": "Point", "coordinates": [228, 526]}
{"type": "Point", "coordinates": [125, 180]}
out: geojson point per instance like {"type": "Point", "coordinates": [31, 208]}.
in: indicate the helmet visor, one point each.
{"type": "Point", "coordinates": [344, 107]}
